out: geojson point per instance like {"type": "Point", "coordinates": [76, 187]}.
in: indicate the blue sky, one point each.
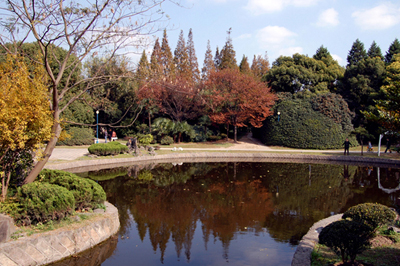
{"type": "Point", "coordinates": [284, 27]}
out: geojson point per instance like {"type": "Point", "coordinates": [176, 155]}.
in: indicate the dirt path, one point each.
{"type": "Point", "coordinates": [249, 143]}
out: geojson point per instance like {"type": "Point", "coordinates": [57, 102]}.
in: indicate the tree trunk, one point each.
{"type": "Point", "coordinates": [362, 148]}
{"type": "Point", "coordinates": [149, 123]}
{"type": "Point", "coordinates": [235, 133]}
{"type": "Point", "coordinates": [227, 132]}
{"type": "Point", "coordinates": [56, 130]}
{"type": "Point", "coordinates": [179, 137]}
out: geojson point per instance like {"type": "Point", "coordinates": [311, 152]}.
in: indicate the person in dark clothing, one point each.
{"type": "Point", "coordinates": [346, 146]}
{"type": "Point", "coordinates": [388, 145]}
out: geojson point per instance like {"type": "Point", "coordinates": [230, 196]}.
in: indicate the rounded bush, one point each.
{"type": "Point", "coordinates": [346, 238]}
{"type": "Point", "coordinates": [110, 148]}
{"type": "Point", "coordinates": [372, 214]}
{"type": "Point", "coordinates": [308, 123]}
{"type": "Point", "coordinates": [78, 136]}
{"type": "Point", "coordinates": [87, 193]}
{"type": "Point", "coordinates": [167, 140]}
{"type": "Point", "coordinates": [41, 202]}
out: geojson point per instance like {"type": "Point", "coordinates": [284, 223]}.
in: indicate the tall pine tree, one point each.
{"type": "Point", "coordinates": [143, 70]}
{"type": "Point", "coordinates": [167, 61]}
{"type": "Point", "coordinates": [357, 53]}
{"type": "Point", "coordinates": [375, 51]}
{"type": "Point", "coordinates": [394, 48]}
{"type": "Point", "coordinates": [217, 58]}
{"type": "Point", "coordinates": [194, 65]}
{"type": "Point", "coordinates": [260, 65]}
{"type": "Point", "coordinates": [228, 54]}
{"type": "Point", "coordinates": [322, 52]}
{"type": "Point", "coordinates": [155, 61]}
{"type": "Point", "coordinates": [208, 65]}
{"type": "Point", "coordinates": [244, 66]}
{"type": "Point", "coordinates": [181, 59]}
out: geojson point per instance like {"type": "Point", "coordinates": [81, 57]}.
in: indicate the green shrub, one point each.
{"type": "Point", "coordinates": [110, 148]}
{"type": "Point", "coordinates": [42, 202]}
{"type": "Point", "coordinates": [79, 136]}
{"type": "Point", "coordinates": [308, 123]}
{"type": "Point", "coordinates": [87, 193]}
{"type": "Point", "coordinates": [167, 140]}
{"type": "Point", "coordinates": [346, 238]}
{"type": "Point", "coordinates": [144, 139]}
{"type": "Point", "coordinates": [372, 214]}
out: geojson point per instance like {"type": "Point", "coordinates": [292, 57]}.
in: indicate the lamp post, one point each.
{"type": "Point", "coordinates": [97, 126]}
{"type": "Point", "coordinates": [279, 116]}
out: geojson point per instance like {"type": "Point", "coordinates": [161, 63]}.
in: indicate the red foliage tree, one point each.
{"type": "Point", "coordinates": [237, 99]}
{"type": "Point", "coordinates": [176, 98]}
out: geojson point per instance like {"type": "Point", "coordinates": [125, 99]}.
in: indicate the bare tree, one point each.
{"type": "Point", "coordinates": [84, 29]}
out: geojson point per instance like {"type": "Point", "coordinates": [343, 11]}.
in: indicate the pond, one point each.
{"type": "Point", "coordinates": [227, 213]}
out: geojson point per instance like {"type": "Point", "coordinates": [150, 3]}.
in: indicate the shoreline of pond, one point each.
{"type": "Point", "coordinates": [59, 244]}
{"type": "Point", "coordinates": [301, 255]}
{"type": "Point", "coordinates": [98, 164]}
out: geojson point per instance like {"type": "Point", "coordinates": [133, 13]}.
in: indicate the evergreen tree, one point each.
{"type": "Point", "coordinates": [217, 59]}
{"type": "Point", "coordinates": [244, 66]}
{"type": "Point", "coordinates": [155, 60]}
{"type": "Point", "coordinates": [143, 69]}
{"type": "Point", "coordinates": [260, 65]}
{"type": "Point", "coordinates": [322, 52]}
{"type": "Point", "coordinates": [194, 65]}
{"type": "Point", "coordinates": [208, 65]}
{"type": "Point", "coordinates": [166, 58]}
{"type": "Point", "coordinates": [375, 51]}
{"type": "Point", "coordinates": [357, 53]}
{"type": "Point", "coordinates": [393, 49]}
{"type": "Point", "coordinates": [181, 59]}
{"type": "Point", "coordinates": [228, 54]}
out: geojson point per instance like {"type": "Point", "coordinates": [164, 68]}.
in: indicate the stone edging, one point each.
{"type": "Point", "coordinates": [225, 156]}
{"type": "Point", "coordinates": [48, 247]}
{"type": "Point", "coordinates": [302, 256]}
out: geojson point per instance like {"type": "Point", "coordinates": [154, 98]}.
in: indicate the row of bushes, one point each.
{"type": "Point", "coordinates": [55, 195]}
{"type": "Point", "coordinates": [77, 136]}
{"type": "Point", "coordinates": [110, 148]}
{"type": "Point", "coordinates": [352, 235]}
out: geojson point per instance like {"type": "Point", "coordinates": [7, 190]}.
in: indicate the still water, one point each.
{"type": "Point", "coordinates": [227, 213]}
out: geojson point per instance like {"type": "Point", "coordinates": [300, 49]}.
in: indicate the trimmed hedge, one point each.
{"type": "Point", "coordinates": [110, 148]}
{"type": "Point", "coordinates": [372, 214]}
{"type": "Point", "coordinates": [87, 193]}
{"type": "Point", "coordinates": [42, 202]}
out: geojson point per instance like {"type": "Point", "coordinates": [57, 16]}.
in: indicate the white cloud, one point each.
{"type": "Point", "coordinates": [267, 6]}
{"type": "Point", "coordinates": [378, 18]}
{"type": "Point", "coordinates": [274, 36]}
{"type": "Point", "coordinates": [328, 17]}
{"type": "Point", "coordinates": [291, 51]}
{"type": "Point", "coordinates": [338, 59]}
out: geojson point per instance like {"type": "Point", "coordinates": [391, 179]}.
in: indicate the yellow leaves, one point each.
{"type": "Point", "coordinates": [25, 117]}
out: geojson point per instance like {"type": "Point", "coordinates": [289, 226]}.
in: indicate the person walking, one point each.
{"type": "Point", "coordinates": [388, 145]}
{"type": "Point", "coordinates": [346, 146]}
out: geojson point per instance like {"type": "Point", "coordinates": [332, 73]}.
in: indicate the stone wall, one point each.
{"type": "Point", "coordinates": [44, 248]}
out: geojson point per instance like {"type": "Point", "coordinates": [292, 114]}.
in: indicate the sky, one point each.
{"type": "Point", "coordinates": [284, 27]}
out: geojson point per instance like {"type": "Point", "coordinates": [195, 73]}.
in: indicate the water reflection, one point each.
{"type": "Point", "coordinates": [241, 213]}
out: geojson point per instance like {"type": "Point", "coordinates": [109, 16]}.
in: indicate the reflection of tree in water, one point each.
{"type": "Point", "coordinates": [223, 205]}
{"type": "Point", "coordinates": [166, 201]}
{"type": "Point", "coordinates": [305, 194]}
